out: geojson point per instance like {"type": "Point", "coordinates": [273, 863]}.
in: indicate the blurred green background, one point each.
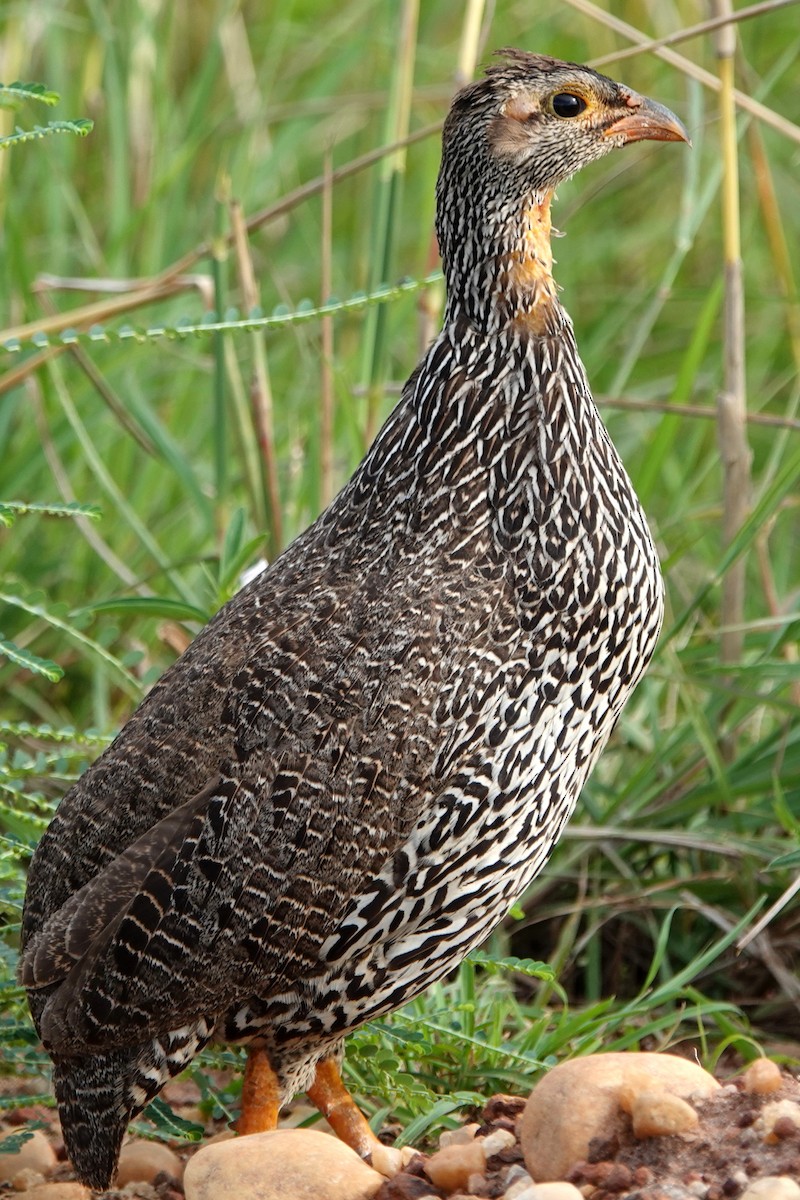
{"type": "Point", "coordinates": [692, 817]}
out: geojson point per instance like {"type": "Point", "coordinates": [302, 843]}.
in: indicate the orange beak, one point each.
{"type": "Point", "coordinates": [647, 121]}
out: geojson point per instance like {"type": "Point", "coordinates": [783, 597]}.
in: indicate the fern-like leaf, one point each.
{"type": "Point", "coordinates": [80, 126]}
{"type": "Point", "coordinates": [13, 94]}
{"type": "Point", "coordinates": [31, 662]}
{"type": "Point", "coordinates": [11, 509]}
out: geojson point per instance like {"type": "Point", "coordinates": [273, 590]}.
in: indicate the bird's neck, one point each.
{"type": "Point", "coordinates": [506, 284]}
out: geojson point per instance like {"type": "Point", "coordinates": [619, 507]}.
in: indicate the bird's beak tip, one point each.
{"type": "Point", "coordinates": [648, 121]}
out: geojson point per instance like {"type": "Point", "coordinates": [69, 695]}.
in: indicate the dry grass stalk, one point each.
{"type": "Point", "coordinates": [687, 67]}
{"type": "Point", "coordinates": [731, 403]}
{"type": "Point", "coordinates": [260, 388]}
{"type": "Point", "coordinates": [326, 331]}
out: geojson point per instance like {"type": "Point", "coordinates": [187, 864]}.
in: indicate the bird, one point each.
{"type": "Point", "coordinates": [362, 761]}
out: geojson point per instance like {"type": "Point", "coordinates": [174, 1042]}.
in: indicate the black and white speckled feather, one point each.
{"type": "Point", "coordinates": [367, 755]}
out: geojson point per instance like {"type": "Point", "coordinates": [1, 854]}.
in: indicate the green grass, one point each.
{"type": "Point", "coordinates": [685, 827]}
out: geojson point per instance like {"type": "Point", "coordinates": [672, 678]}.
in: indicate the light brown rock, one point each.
{"type": "Point", "coordinates": [140, 1161]}
{"type": "Point", "coordinates": [659, 1114]}
{"type": "Point", "coordinates": [286, 1164]}
{"type": "Point", "coordinates": [772, 1187]}
{"type": "Point", "coordinates": [762, 1077]}
{"type": "Point", "coordinates": [518, 1181]}
{"type": "Point", "coordinates": [458, 1137]}
{"type": "Point", "coordinates": [552, 1191]}
{"type": "Point", "coordinates": [26, 1179]}
{"type": "Point", "coordinates": [497, 1140]}
{"type": "Point", "coordinates": [222, 1135]}
{"type": "Point", "coordinates": [451, 1167]}
{"type": "Point", "coordinates": [772, 1113]}
{"type": "Point", "coordinates": [581, 1099]}
{"type": "Point", "coordinates": [390, 1160]}
{"type": "Point", "coordinates": [35, 1155]}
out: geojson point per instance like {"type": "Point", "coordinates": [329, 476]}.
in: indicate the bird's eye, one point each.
{"type": "Point", "coordinates": [566, 105]}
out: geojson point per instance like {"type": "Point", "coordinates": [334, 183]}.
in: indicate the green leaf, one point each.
{"type": "Point", "coordinates": [149, 606]}
{"type": "Point", "coordinates": [35, 608]}
{"type": "Point", "coordinates": [13, 1142]}
{"type": "Point", "coordinates": [31, 662]}
{"type": "Point", "coordinates": [13, 94]}
{"type": "Point", "coordinates": [524, 966]}
{"type": "Point", "coordinates": [442, 1108]}
{"type": "Point", "coordinates": [169, 1126]}
{"type": "Point", "coordinates": [11, 509]}
{"type": "Point", "coordinates": [82, 126]}
{"type": "Point", "coordinates": [202, 326]}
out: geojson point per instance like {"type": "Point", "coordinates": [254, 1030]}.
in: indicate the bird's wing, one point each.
{"type": "Point", "coordinates": [233, 893]}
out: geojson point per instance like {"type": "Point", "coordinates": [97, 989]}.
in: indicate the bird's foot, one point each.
{"type": "Point", "coordinates": [347, 1121]}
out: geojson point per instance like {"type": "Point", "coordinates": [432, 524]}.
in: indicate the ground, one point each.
{"type": "Point", "coordinates": [715, 1162]}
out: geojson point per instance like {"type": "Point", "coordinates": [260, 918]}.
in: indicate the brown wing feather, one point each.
{"type": "Point", "coordinates": [233, 893]}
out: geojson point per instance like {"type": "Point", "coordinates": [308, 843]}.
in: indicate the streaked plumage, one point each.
{"type": "Point", "coordinates": [366, 756]}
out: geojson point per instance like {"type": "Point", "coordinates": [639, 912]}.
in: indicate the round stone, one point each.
{"type": "Point", "coordinates": [762, 1077]}
{"type": "Point", "coordinates": [450, 1168]}
{"type": "Point", "coordinates": [582, 1099]}
{"type": "Point", "coordinates": [285, 1164]}
{"type": "Point", "coordinates": [659, 1114]}
{"type": "Point", "coordinates": [141, 1161]}
{"type": "Point", "coordinates": [35, 1154]}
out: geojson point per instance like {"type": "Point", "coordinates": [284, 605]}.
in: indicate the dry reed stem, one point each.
{"type": "Point", "coordinates": [692, 31]}
{"type": "Point", "coordinates": [776, 237]}
{"type": "Point", "coordinates": [731, 403]}
{"type": "Point", "coordinates": [687, 67]}
{"type": "Point", "coordinates": [260, 388]}
{"type": "Point", "coordinates": [391, 171]}
{"type": "Point", "coordinates": [473, 31]}
{"type": "Point", "coordinates": [326, 409]}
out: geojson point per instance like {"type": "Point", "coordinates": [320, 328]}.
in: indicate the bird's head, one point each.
{"type": "Point", "coordinates": [513, 136]}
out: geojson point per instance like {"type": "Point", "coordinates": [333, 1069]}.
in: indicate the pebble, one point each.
{"type": "Point", "coordinates": [140, 1161]}
{"type": "Point", "coordinates": [26, 1179]}
{"type": "Point", "coordinates": [500, 1108]}
{"type": "Point", "coordinates": [556, 1190]}
{"type": "Point", "coordinates": [762, 1077]}
{"type": "Point", "coordinates": [391, 1160]}
{"type": "Point", "coordinates": [497, 1140]}
{"type": "Point", "coordinates": [658, 1114]}
{"type": "Point", "coordinates": [521, 1187]}
{"type": "Point", "coordinates": [772, 1187]}
{"type": "Point", "coordinates": [772, 1122]}
{"type": "Point", "coordinates": [517, 1180]}
{"type": "Point", "coordinates": [458, 1137]}
{"type": "Point", "coordinates": [580, 1100]}
{"type": "Point", "coordinates": [285, 1164]}
{"type": "Point", "coordinates": [450, 1168]}
{"type": "Point", "coordinates": [36, 1154]}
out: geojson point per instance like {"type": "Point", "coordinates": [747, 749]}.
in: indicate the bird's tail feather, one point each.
{"type": "Point", "coordinates": [95, 1107]}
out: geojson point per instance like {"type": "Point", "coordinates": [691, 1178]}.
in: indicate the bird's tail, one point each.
{"type": "Point", "coordinates": [95, 1107]}
{"type": "Point", "coordinates": [99, 1094]}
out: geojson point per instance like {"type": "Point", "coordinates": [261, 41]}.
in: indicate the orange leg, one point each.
{"type": "Point", "coordinates": [260, 1095]}
{"type": "Point", "coordinates": [335, 1103]}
